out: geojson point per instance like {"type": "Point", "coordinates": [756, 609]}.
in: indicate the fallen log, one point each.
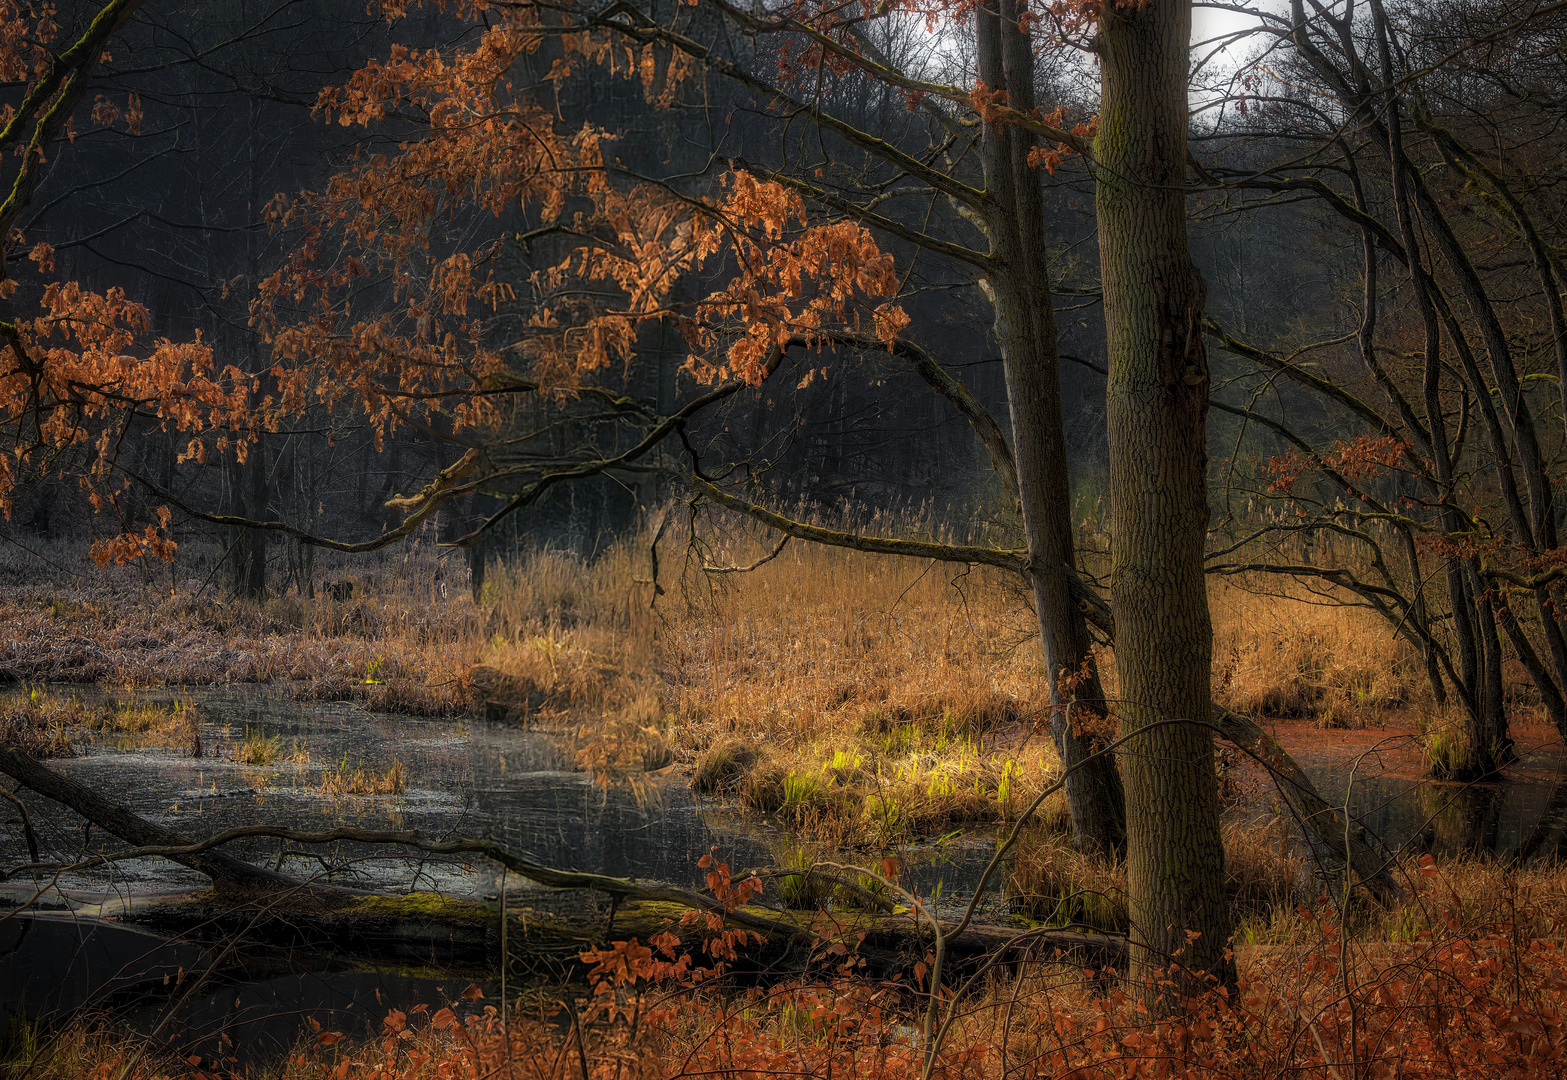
{"type": "Point", "coordinates": [1325, 824]}
{"type": "Point", "coordinates": [235, 880]}
{"type": "Point", "coordinates": [228, 874]}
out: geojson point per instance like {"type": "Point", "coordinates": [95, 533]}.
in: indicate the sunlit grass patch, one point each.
{"type": "Point", "coordinates": [345, 778]}
{"type": "Point", "coordinates": [258, 749]}
{"type": "Point", "coordinates": [139, 723]}
{"type": "Point", "coordinates": [44, 720]}
{"type": "Point", "coordinates": [145, 718]}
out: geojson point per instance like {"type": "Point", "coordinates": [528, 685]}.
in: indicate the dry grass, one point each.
{"type": "Point", "coordinates": [39, 723]}
{"type": "Point", "coordinates": [565, 638]}
{"type": "Point", "coordinates": [820, 642]}
{"type": "Point", "coordinates": [815, 644]}
{"type": "Point", "coordinates": [570, 648]}
{"type": "Point", "coordinates": [401, 640]}
{"type": "Point", "coordinates": [864, 700]}
{"type": "Point", "coordinates": [45, 722]}
{"type": "Point", "coordinates": [347, 778]}
{"type": "Point", "coordinates": [1297, 657]}
{"type": "Point", "coordinates": [257, 749]}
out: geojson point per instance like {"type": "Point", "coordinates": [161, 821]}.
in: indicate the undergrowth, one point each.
{"type": "Point", "coordinates": [1476, 991]}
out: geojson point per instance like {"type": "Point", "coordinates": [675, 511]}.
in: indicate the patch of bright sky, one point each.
{"type": "Point", "coordinates": [1226, 38]}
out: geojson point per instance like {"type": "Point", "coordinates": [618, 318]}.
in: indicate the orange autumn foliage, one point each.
{"type": "Point", "coordinates": [388, 308]}
{"type": "Point", "coordinates": [383, 306]}
{"type": "Point", "coordinates": [1476, 997]}
{"type": "Point", "coordinates": [1355, 459]}
{"type": "Point", "coordinates": [79, 361]}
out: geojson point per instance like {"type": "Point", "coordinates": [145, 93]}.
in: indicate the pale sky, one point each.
{"type": "Point", "coordinates": [1210, 23]}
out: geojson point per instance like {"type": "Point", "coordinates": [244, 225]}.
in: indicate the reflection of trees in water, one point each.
{"type": "Point", "coordinates": [1520, 820]}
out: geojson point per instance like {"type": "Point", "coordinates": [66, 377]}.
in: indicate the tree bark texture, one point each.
{"type": "Point", "coordinates": [1157, 413]}
{"type": "Point", "coordinates": [248, 547]}
{"type": "Point", "coordinates": [1019, 289]}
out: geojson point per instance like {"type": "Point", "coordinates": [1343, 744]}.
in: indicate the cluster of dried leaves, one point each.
{"type": "Point", "coordinates": [383, 308]}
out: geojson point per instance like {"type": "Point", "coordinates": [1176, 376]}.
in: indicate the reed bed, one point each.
{"type": "Point", "coordinates": [397, 634]}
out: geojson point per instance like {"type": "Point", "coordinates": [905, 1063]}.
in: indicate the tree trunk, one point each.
{"type": "Point", "coordinates": [1158, 406]}
{"type": "Point", "coordinates": [248, 547]}
{"type": "Point", "coordinates": [1019, 289]}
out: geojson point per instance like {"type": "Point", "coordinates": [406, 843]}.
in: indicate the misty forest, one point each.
{"type": "Point", "coordinates": [738, 539]}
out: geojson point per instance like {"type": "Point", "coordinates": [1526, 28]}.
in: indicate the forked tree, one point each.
{"type": "Point", "coordinates": [1420, 434]}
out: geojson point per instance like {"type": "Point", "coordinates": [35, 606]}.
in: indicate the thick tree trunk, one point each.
{"type": "Point", "coordinates": [1158, 406]}
{"type": "Point", "coordinates": [1019, 289]}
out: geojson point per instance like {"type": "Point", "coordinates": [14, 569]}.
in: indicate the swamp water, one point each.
{"type": "Point", "coordinates": [460, 778]}
{"type": "Point", "coordinates": [466, 778]}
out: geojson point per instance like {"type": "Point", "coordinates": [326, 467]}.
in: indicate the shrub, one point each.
{"type": "Point", "coordinates": [723, 767]}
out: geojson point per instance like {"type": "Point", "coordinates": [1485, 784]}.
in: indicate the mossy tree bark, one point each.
{"type": "Point", "coordinates": [1019, 288]}
{"type": "Point", "coordinates": [1157, 413]}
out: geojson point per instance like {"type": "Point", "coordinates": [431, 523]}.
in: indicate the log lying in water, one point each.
{"type": "Point", "coordinates": [228, 874]}
{"type": "Point", "coordinates": [637, 908]}
{"type": "Point", "coordinates": [1324, 823]}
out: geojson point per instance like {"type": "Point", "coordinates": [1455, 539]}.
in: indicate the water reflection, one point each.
{"type": "Point", "coordinates": [463, 778]}
{"type": "Point", "coordinates": [54, 965]}
{"type": "Point", "coordinates": [1520, 820]}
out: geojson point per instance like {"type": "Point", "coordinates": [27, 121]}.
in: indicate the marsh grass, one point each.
{"type": "Point", "coordinates": [407, 618]}
{"type": "Point", "coordinates": [863, 702]}
{"type": "Point", "coordinates": [347, 778]}
{"type": "Point", "coordinates": [1275, 895]}
{"type": "Point", "coordinates": [569, 647]}
{"type": "Point", "coordinates": [139, 723]}
{"type": "Point", "coordinates": [45, 721]}
{"type": "Point", "coordinates": [39, 723]}
{"type": "Point", "coordinates": [1299, 656]}
{"type": "Point", "coordinates": [257, 749]}
{"type": "Point", "coordinates": [927, 677]}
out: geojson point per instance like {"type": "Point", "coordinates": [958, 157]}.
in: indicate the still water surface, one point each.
{"type": "Point", "coordinates": [471, 778]}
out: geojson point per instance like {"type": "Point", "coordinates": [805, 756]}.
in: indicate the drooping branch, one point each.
{"type": "Point", "coordinates": [418, 509]}
{"type": "Point", "coordinates": [1321, 819]}
{"type": "Point", "coordinates": [1004, 558]}
{"type": "Point", "coordinates": [1296, 373]}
